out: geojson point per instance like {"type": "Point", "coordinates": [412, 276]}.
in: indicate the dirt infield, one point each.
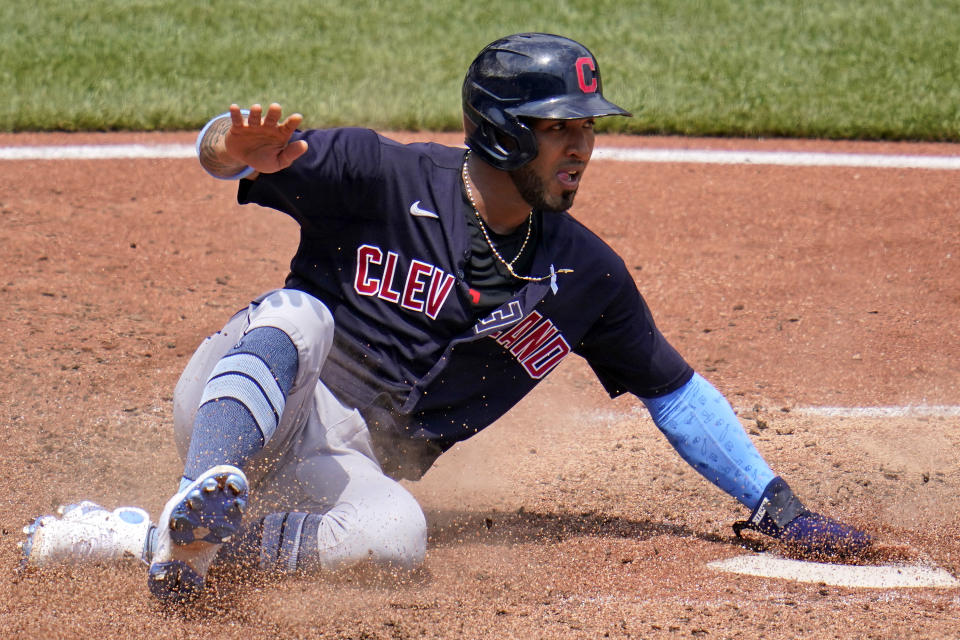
{"type": "Point", "coordinates": [571, 517]}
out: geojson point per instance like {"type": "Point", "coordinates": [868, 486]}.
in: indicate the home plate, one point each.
{"type": "Point", "coordinates": [840, 575]}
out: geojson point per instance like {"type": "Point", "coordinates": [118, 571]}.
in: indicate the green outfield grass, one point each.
{"type": "Point", "coordinates": [884, 69]}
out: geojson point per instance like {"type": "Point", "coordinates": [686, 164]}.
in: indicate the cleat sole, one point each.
{"type": "Point", "coordinates": [196, 523]}
{"type": "Point", "coordinates": [174, 582]}
{"type": "Point", "coordinates": [216, 507]}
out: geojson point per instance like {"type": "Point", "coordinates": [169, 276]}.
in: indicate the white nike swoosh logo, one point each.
{"type": "Point", "coordinates": [415, 210]}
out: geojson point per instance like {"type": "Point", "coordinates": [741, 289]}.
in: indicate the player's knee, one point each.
{"type": "Point", "coordinates": [305, 320]}
{"type": "Point", "coordinates": [402, 538]}
{"type": "Point", "coordinates": [274, 348]}
{"type": "Point", "coordinates": [389, 530]}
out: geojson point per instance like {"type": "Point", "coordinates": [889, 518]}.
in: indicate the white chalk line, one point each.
{"type": "Point", "coordinates": [871, 576]}
{"type": "Point", "coordinates": [98, 152]}
{"type": "Point", "coordinates": [787, 158]}
{"type": "Point", "coordinates": [698, 156]}
{"type": "Point", "coordinates": [907, 411]}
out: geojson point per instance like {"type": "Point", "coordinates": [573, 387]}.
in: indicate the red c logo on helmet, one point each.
{"type": "Point", "coordinates": [581, 64]}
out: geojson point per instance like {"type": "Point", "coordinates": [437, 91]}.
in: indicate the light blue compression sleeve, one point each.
{"type": "Point", "coordinates": [700, 424]}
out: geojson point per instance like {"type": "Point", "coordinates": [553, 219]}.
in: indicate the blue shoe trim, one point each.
{"type": "Point", "coordinates": [28, 543]}
{"type": "Point", "coordinates": [131, 517]}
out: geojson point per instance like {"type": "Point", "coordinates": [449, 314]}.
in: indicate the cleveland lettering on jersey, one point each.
{"type": "Point", "coordinates": [423, 289]}
{"type": "Point", "coordinates": [536, 343]}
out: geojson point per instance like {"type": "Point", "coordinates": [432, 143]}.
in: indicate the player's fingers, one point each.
{"type": "Point", "coordinates": [254, 118]}
{"type": "Point", "coordinates": [292, 122]}
{"type": "Point", "coordinates": [236, 116]}
{"type": "Point", "coordinates": [273, 115]}
{"type": "Point", "coordinates": [291, 152]}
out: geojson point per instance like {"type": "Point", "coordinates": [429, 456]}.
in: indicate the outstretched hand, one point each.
{"type": "Point", "coordinates": [263, 142]}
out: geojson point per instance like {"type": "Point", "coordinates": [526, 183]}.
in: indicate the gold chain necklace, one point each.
{"type": "Point", "coordinates": [493, 247]}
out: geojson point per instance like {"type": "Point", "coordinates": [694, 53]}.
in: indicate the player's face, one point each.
{"type": "Point", "coordinates": [550, 181]}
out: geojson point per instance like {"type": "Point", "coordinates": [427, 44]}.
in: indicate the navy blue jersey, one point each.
{"type": "Point", "coordinates": [384, 244]}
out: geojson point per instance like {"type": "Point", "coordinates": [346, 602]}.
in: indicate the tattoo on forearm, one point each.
{"type": "Point", "coordinates": [210, 158]}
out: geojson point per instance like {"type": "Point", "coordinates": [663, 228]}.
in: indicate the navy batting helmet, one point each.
{"type": "Point", "coordinates": [528, 75]}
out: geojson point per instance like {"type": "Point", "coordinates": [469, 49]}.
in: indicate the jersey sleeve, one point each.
{"type": "Point", "coordinates": [626, 350]}
{"type": "Point", "coordinates": [334, 178]}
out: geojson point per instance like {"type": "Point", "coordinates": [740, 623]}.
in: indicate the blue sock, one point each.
{"type": "Point", "coordinates": [700, 424]}
{"type": "Point", "coordinates": [242, 401]}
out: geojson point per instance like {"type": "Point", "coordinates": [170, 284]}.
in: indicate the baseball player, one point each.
{"type": "Point", "coordinates": [432, 289]}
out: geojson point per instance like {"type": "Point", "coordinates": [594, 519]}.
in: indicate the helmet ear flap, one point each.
{"type": "Point", "coordinates": [499, 138]}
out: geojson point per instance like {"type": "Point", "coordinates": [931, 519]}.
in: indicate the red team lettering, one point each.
{"type": "Point", "coordinates": [388, 294]}
{"type": "Point", "coordinates": [582, 64]}
{"type": "Point", "coordinates": [536, 343]}
{"type": "Point", "coordinates": [425, 287]}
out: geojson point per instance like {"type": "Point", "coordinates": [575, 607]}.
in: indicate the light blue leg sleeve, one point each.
{"type": "Point", "coordinates": [700, 424]}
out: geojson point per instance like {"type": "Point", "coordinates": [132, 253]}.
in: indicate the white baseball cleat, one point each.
{"type": "Point", "coordinates": [86, 532]}
{"type": "Point", "coordinates": [193, 525]}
